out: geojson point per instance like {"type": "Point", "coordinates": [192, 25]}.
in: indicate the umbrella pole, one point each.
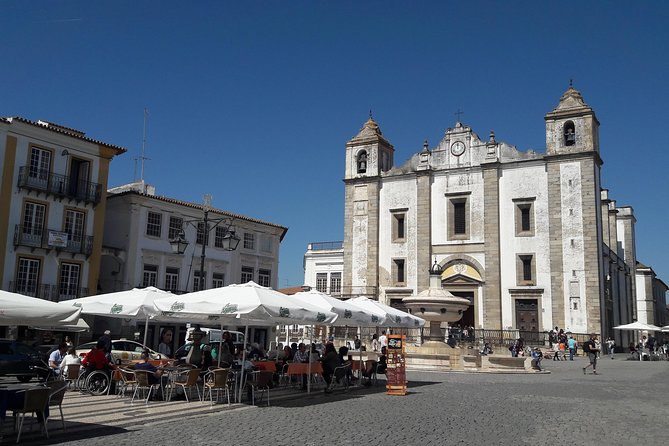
{"type": "Point", "coordinates": [309, 366]}
{"type": "Point", "coordinates": [220, 346]}
{"type": "Point", "coordinates": [146, 329]}
{"type": "Point", "coordinates": [241, 379]}
{"type": "Point", "coordinates": [360, 349]}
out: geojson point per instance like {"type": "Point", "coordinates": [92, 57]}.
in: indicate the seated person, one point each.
{"type": "Point", "coordinates": [71, 358]}
{"type": "Point", "coordinates": [56, 358]}
{"type": "Point", "coordinates": [256, 352]}
{"type": "Point", "coordinates": [96, 359]}
{"type": "Point", "coordinates": [382, 363]}
{"type": "Point", "coordinates": [145, 365]}
{"type": "Point", "coordinates": [301, 353]}
{"type": "Point", "coordinates": [346, 359]}
{"type": "Point", "coordinates": [314, 356]}
{"type": "Point", "coordinates": [330, 362]}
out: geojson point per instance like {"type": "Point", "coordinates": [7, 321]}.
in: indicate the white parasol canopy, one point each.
{"type": "Point", "coordinates": [17, 309]}
{"type": "Point", "coordinates": [638, 326]}
{"type": "Point", "coordinates": [249, 303]}
{"type": "Point", "coordinates": [392, 317]}
{"type": "Point", "coordinates": [128, 304]}
{"type": "Point", "coordinates": [347, 314]}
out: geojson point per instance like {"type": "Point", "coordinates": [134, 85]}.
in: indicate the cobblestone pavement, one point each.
{"type": "Point", "coordinates": [624, 404]}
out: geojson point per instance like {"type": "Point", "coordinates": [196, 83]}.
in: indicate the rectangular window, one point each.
{"type": "Point", "coordinates": [335, 284]}
{"type": "Point", "coordinates": [68, 281]}
{"type": "Point", "coordinates": [74, 226]}
{"type": "Point", "coordinates": [202, 234]}
{"type": "Point", "coordinates": [153, 223]}
{"type": "Point", "coordinates": [526, 270]}
{"type": "Point", "coordinates": [149, 275]}
{"type": "Point", "coordinates": [524, 217]}
{"type": "Point", "coordinates": [218, 280]}
{"type": "Point", "coordinates": [172, 279]}
{"type": "Point", "coordinates": [247, 274]}
{"type": "Point", "coordinates": [175, 228]}
{"type": "Point", "coordinates": [249, 240]}
{"type": "Point", "coordinates": [398, 226]}
{"type": "Point", "coordinates": [40, 166]}
{"type": "Point", "coordinates": [399, 273]}
{"type": "Point", "coordinates": [33, 223]}
{"type": "Point", "coordinates": [266, 244]}
{"type": "Point", "coordinates": [458, 218]}
{"type": "Point", "coordinates": [198, 284]}
{"type": "Point", "coordinates": [26, 276]}
{"type": "Point", "coordinates": [322, 282]}
{"type": "Point", "coordinates": [264, 277]}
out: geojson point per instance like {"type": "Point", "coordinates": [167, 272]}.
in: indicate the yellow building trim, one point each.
{"type": "Point", "coordinates": [95, 260]}
{"type": "Point", "coordinates": [462, 269]}
{"type": "Point", "coordinates": [8, 166]}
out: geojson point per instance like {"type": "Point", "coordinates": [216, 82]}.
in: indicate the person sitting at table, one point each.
{"type": "Point", "coordinates": [71, 358]}
{"type": "Point", "coordinates": [97, 359]}
{"type": "Point", "coordinates": [56, 357]}
{"type": "Point", "coordinates": [330, 362]}
{"type": "Point", "coordinates": [301, 353]}
{"type": "Point", "coordinates": [256, 352]}
{"type": "Point", "coordinates": [346, 359]}
{"type": "Point", "coordinates": [145, 365]}
{"type": "Point", "coordinates": [196, 355]}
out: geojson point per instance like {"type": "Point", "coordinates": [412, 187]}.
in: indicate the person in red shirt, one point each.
{"type": "Point", "coordinates": [96, 359]}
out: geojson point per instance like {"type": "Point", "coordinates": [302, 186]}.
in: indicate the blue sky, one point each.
{"type": "Point", "coordinates": [253, 102]}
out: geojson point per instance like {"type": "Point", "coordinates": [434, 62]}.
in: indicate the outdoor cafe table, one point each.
{"type": "Point", "coordinates": [269, 366]}
{"type": "Point", "coordinates": [302, 368]}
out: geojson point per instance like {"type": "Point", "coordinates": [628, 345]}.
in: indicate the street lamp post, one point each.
{"type": "Point", "coordinates": [229, 242]}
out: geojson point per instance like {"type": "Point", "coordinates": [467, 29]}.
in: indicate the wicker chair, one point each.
{"type": "Point", "coordinates": [56, 393]}
{"type": "Point", "coordinates": [191, 381]}
{"type": "Point", "coordinates": [259, 382]}
{"type": "Point", "coordinates": [35, 401]}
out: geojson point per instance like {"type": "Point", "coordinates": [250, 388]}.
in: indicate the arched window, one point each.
{"type": "Point", "coordinates": [569, 133]}
{"type": "Point", "coordinates": [362, 162]}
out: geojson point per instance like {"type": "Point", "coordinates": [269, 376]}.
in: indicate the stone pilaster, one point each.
{"type": "Point", "coordinates": [373, 236]}
{"type": "Point", "coordinates": [347, 274]}
{"type": "Point", "coordinates": [423, 230]}
{"type": "Point", "coordinates": [492, 291]}
{"type": "Point", "coordinates": [592, 243]}
{"type": "Point", "coordinates": [555, 243]}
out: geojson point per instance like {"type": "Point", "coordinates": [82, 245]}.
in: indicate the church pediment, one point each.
{"type": "Point", "coordinates": [460, 279]}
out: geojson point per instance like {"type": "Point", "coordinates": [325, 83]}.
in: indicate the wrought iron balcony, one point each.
{"type": "Point", "coordinates": [38, 237]}
{"type": "Point", "coordinates": [59, 185]}
{"type": "Point", "coordinates": [47, 291]}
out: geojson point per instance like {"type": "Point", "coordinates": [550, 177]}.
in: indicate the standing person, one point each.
{"type": "Point", "coordinates": [357, 343]}
{"type": "Point", "coordinates": [598, 347]}
{"type": "Point", "coordinates": [107, 343]}
{"type": "Point", "coordinates": [590, 347]}
{"type": "Point", "coordinates": [383, 339]}
{"type": "Point", "coordinates": [375, 343]}
{"type": "Point", "coordinates": [611, 346]}
{"type": "Point", "coordinates": [165, 346]}
{"type": "Point", "coordinates": [571, 343]}
{"type": "Point", "coordinates": [68, 341]}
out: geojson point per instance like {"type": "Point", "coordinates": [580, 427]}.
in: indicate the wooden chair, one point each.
{"type": "Point", "coordinates": [35, 401]}
{"type": "Point", "coordinates": [191, 381]}
{"type": "Point", "coordinates": [216, 379]}
{"type": "Point", "coordinates": [259, 381]}
{"type": "Point", "coordinates": [56, 393]}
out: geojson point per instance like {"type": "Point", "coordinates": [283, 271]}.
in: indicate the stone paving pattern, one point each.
{"type": "Point", "coordinates": [624, 404]}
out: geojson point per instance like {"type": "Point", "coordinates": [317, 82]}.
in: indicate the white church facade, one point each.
{"type": "Point", "coordinates": [532, 239]}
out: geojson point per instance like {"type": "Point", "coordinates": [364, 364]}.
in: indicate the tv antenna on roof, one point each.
{"type": "Point", "coordinates": [142, 158]}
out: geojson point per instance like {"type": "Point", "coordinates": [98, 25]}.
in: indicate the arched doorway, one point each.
{"type": "Point", "coordinates": [463, 279]}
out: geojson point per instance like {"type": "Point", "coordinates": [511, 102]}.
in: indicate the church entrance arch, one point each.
{"type": "Point", "coordinates": [463, 279]}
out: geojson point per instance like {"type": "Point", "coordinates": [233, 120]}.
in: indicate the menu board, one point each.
{"type": "Point", "coordinates": [396, 376]}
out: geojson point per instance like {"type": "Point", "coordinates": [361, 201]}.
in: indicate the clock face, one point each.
{"type": "Point", "coordinates": [458, 148]}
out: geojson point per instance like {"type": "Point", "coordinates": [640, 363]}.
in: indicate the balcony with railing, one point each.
{"type": "Point", "coordinates": [59, 185]}
{"type": "Point", "coordinates": [47, 291]}
{"type": "Point", "coordinates": [38, 237]}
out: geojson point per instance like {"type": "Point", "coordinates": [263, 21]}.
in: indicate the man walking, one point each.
{"type": "Point", "coordinates": [590, 347]}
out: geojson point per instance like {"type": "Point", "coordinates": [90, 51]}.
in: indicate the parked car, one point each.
{"type": "Point", "coordinates": [182, 352]}
{"type": "Point", "coordinates": [122, 349]}
{"type": "Point", "coordinates": [17, 359]}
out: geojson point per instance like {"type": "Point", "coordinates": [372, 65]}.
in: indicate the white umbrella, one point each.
{"type": "Point", "coordinates": [392, 317]}
{"type": "Point", "coordinates": [249, 303]}
{"type": "Point", "coordinates": [638, 326]}
{"type": "Point", "coordinates": [17, 309]}
{"type": "Point", "coordinates": [78, 327]}
{"type": "Point", "coordinates": [128, 304]}
{"type": "Point", "coordinates": [665, 329]}
{"type": "Point", "coordinates": [347, 314]}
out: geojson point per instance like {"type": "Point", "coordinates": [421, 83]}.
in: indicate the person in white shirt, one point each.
{"type": "Point", "coordinates": [69, 359]}
{"type": "Point", "coordinates": [383, 339]}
